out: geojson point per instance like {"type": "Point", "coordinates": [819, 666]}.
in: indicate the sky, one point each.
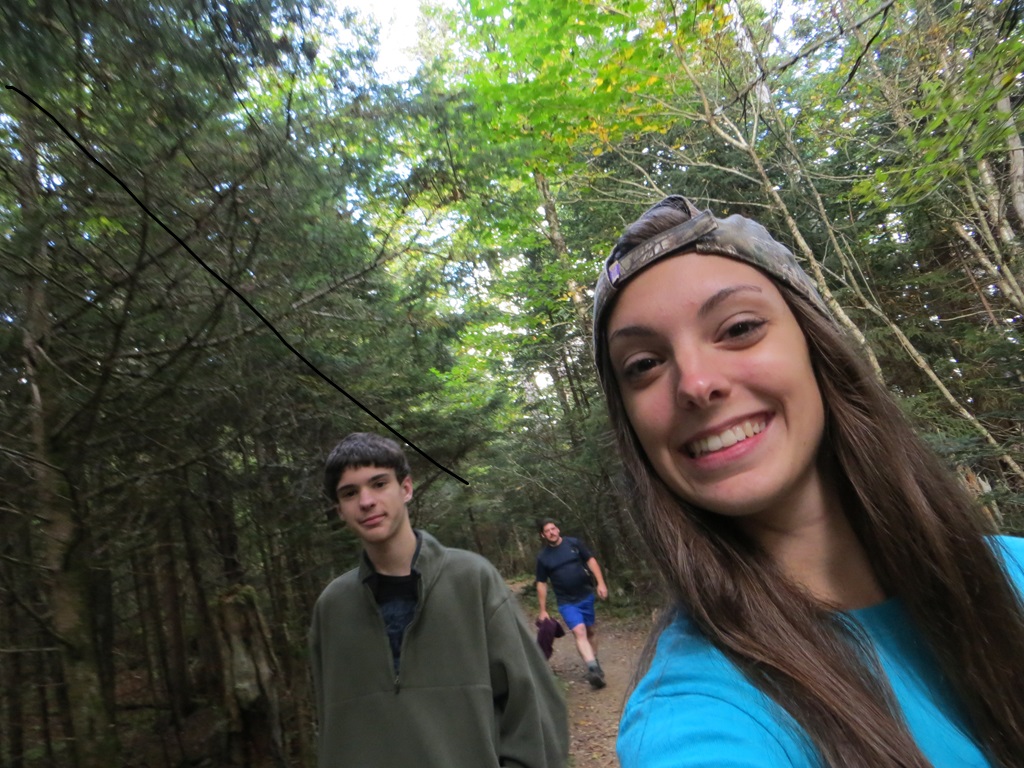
{"type": "Point", "coordinates": [397, 19]}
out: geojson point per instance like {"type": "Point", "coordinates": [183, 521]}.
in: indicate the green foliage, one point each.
{"type": "Point", "coordinates": [430, 246]}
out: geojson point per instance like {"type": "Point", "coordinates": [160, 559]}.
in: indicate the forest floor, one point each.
{"type": "Point", "coordinates": [593, 714]}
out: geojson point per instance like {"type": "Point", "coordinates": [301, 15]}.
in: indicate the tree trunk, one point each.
{"type": "Point", "coordinates": [66, 541]}
{"type": "Point", "coordinates": [251, 681]}
{"type": "Point", "coordinates": [208, 678]}
{"type": "Point", "coordinates": [169, 589]}
{"type": "Point", "coordinates": [12, 742]}
{"type": "Point", "coordinates": [554, 235]}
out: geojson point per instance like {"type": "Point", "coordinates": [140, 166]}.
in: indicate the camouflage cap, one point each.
{"type": "Point", "coordinates": [735, 237]}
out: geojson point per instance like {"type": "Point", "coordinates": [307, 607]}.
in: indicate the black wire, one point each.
{"type": "Point", "coordinates": [231, 288]}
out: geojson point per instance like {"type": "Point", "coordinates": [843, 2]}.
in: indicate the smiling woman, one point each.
{"type": "Point", "coordinates": [704, 349]}
{"type": "Point", "coordinates": [836, 600]}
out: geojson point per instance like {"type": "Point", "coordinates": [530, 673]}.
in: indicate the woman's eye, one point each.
{"type": "Point", "coordinates": [743, 328]}
{"type": "Point", "coordinates": [638, 367]}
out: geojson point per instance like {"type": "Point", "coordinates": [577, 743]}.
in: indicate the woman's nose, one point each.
{"type": "Point", "coordinates": [700, 380]}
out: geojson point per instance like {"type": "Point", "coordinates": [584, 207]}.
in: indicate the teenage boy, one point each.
{"type": "Point", "coordinates": [575, 576]}
{"type": "Point", "coordinates": [420, 655]}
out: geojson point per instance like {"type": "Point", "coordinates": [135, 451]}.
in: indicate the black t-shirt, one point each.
{"type": "Point", "coordinates": [396, 597]}
{"type": "Point", "coordinates": [563, 566]}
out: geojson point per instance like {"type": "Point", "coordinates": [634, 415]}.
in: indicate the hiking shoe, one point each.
{"type": "Point", "coordinates": [595, 676]}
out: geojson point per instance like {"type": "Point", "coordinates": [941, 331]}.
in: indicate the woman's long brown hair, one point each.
{"type": "Point", "coordinates": [923, 535]}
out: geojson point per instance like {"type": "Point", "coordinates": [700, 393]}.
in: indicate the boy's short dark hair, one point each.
{"type": "Point", "coordinates": [543, 522]}
{"type": "Point", "coordinates": [363, 449]}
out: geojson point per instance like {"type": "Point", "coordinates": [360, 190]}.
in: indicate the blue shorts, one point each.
{"type": "Point", "coordinates": [575, 614]}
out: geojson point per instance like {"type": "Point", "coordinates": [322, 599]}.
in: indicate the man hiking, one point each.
{"type": "Point", "coordinates": [575, 576]}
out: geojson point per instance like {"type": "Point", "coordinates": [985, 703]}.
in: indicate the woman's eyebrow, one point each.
{"type": "Point", "coordinates": [631, 331]}
{"type": "Point", "coordinates": [722, 295]}
{"type": "Point", "coordinates": [642, 331]}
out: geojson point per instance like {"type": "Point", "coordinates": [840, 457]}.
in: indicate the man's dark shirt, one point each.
{"type": "Point", "coordinates": [563, 565]}
{"type": "Point", "coordinates": [396, 597]}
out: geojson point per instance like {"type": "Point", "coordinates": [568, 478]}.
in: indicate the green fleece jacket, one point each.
{"type": "Point", "coordinates": [472, 689]}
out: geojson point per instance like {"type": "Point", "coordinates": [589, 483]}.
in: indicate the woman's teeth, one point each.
{"type": "Point", "coordinates": [724, 439]}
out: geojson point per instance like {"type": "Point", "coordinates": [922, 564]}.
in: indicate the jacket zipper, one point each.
{"type": "Point", "coordinates": [384, 631]}
{"type": "Point", "coordinates": [408, 629]}
{"type": "Point", "coordinates": [397, 682]}
{"type": "Point", "coordinates": [387, 642]}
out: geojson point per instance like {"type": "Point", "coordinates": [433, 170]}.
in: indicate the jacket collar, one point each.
{"type": "Point", "coordinates": [427, 561]}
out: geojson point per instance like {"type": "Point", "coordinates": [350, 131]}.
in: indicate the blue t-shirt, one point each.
{"type": "Point", "coordinates": [563, 565]}
{"type": "Point", "coordinates": [694, 709]}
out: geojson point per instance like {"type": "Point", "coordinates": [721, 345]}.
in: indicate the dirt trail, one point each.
{"type": "Point", "coordinates": [594, 715]}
